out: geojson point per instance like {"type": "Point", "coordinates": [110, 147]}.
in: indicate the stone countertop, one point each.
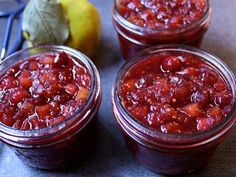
{"type": "Point", "coordinates": [111, 157]}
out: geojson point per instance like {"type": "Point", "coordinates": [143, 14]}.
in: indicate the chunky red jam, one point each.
{"type": "Point", "coordinates": [162, 14]}
{"type": "Point", "coordinates": [175, 92]}
{"type": "Point", "coordinates": [42, 91]}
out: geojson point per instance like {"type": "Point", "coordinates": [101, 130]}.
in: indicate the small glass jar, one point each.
{"type": "Point", "coordinates": [134, 38]}
{"type": "Point", "coordinates": [63, 144]}
{"type": "Point", "coordinates": [172, 154]}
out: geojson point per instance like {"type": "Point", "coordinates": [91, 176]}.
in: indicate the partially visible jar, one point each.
{"type": "Point", "coordinates": [170, 153]}
{"type": "Point", "coordinates": [134, 38]}
{"type": "Point", "coordinates": [63, 144]}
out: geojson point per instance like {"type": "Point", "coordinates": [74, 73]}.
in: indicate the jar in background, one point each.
{"type": "Point", "coordinates": [134, 38]}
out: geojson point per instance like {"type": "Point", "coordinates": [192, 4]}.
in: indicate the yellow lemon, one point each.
{"type": "Point", "coordinates": [84, 25]}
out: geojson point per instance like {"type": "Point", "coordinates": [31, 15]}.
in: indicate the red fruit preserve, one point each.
{"type": "Point", "coordinates": [143, 23]}
{"type": "Point", "coordinates": [48, 103]}
{"type": "Point", "coordinates": [43, 90]}
{"type": "Point", "coordinates": [174, 104]}
{"type": "Point", "coordinates": [162, 14]}
{"type": "Point", "coordinates": [175, 92]}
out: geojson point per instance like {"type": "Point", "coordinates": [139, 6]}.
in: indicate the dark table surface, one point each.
{"type": "Point", "coordinates": [111, 157]}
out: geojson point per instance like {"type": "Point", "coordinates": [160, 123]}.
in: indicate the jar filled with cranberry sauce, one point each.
{"type": "Point", "coordinates": [144, 23]}
{"type": "Point", "coordinates": [174, 105]}
{"type": "Point", "coordinates": [49, 98]}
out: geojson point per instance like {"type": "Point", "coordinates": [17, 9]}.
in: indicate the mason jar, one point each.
{"type": "Point", "coordinates": [63, 144]}
{"type": "Point", "coordinates": [168, 153]}
{"type": "Point", "coordinates": [135, 38]}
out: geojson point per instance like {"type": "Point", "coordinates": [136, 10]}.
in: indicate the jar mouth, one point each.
{"type": "Point", "coordinates": [94, 92]}
{"type": "Point", "coordinates": [133, 27]}
{"type": "Point", "coordinates": [208, 135]}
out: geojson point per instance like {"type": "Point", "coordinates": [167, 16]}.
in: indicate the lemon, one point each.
{"type": "Point", "coordinates": [84, 25]}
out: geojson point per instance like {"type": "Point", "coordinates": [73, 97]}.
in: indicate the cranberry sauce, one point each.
{"type": "Point", "coordinates": [42, 91]}
{"type": "Point", "coordinates": [175, 92]}
{"type": "Point", "coordinates": [162, 14]}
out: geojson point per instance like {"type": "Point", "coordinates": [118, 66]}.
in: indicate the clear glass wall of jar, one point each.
{"type": "Point", "coordinates": [172, 153]}
{"type": "Point", "coordinates": [63, 144]}
{"type": "Point", "coordinates": [133, 38]}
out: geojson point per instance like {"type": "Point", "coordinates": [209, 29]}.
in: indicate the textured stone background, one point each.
{"type": "Point", "coordinates": [110, 157]}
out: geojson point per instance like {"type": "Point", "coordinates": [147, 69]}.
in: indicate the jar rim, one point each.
{"type": "Point", "coordinates": [195, 138]}
{"type": "Point", "coordinates": [135, 28]}
{"type": "Point", "coordinates": [10, 133]}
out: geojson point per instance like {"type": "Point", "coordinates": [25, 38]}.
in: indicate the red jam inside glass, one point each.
{"type": "Point", "coordinates": [42, 91]}
{"type": "Point", "coordinates": [162, 14]}
{"type": "Point", "coordinates": [175, 92]}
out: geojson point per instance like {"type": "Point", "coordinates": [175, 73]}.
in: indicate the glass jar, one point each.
{"type": "Point", "coordinates": [172, 154]}
{"type": "Point", "coordinates": [63, 144]}
{"type": "Point", "coordinates": [134, 38]}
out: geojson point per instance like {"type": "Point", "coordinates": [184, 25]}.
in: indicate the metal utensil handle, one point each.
{"type": "Point", "coordinates": [6, 38]}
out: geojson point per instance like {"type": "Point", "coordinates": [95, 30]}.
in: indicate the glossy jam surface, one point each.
{"type": "Point", "coordinates": [175, 92]}
{"type": "Point", "coordinates": [42, 91]}
{"type": "Point", "coordinates": [162, 14]}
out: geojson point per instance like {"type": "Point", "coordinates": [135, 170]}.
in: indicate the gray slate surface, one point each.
{"type": "Point", "coordinates": [111, 158]}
